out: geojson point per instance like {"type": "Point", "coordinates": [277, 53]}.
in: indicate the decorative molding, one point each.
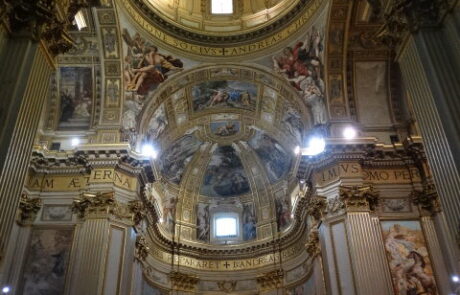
{"type": "Point", "coordinates": [316, 206]}
{"type": "Point", "coordinates": [271, 280]}
{"type": "Point", "coordinates": [142, 248]}
{"type": "Point", "coordinates": [28, 209]}
{"type": "Point", "coordinates": [183, 282]}
{"type": "Point", "coordinates": [227, 286]}
{"type": "Point", "coordinates": [312, 246]}
{"type": "Point", "coordinates": [138, 210]}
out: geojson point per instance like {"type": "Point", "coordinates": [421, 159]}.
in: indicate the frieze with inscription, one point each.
{"type": "Point", "coordinates": [50, 183]}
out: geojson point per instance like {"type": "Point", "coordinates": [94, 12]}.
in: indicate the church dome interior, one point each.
{"type": "Point", "coordinates": [214, 147]}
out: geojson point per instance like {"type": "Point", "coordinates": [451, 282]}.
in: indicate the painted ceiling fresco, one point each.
{"type": "Point", "coordinates": [224, 94]}
{"type": "Point", "coordinates": [175, 159]}
{"type": "Point", "coordinates": [225, 175]}
{"type": "Point", "coordinates": [274, 157]}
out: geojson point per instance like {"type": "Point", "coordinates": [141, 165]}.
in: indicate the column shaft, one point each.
{"type": "Point", "coordinates": [368, 254]}
{"type": "Point", "coordinates": [436, 109]}
{"type": "Point", "coordinates": [89, 267]}
{"type": "Point", "coordinates": [24, 83]}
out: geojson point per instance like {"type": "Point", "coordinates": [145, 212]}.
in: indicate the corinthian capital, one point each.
{"type": "Point", "coordinates": [407, 16]}
{"type": "Point", "coordinates": [46, 20]}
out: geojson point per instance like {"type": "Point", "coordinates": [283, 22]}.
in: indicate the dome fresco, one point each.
{"type": "Point", "coordinates": [225, 175]}
{"type": "Point", "coordinates": [274, 157]}
{"type": "Point", "coordinates": [175, 159]}
{"type": "Point", "coordinates": [226, 138]}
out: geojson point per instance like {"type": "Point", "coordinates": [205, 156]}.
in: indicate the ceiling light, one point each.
{"type": "Point", "coordinates": [297, 150]}
{"type": "Point", "coordinates": [80, 20]}
{"type": "Point", "coordinates": [149, 151]}
{"type": "Point", "coordinates": [349, 132]}
{"type": "Point", "coordinates": [316, 146]}
{"type": "Point", "coordinates": [75, 141]}
{"type": "Point", "coordinates": [160, 220]}
{"type": "Point", "coordinates": [6, 290]}
{"type": "Point", "coordinates": [455, 279]}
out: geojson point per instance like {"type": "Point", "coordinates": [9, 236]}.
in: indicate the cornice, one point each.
{"type": "Point", "coordinates": [233, 39]}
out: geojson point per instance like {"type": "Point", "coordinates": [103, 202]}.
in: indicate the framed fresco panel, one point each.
{"type": "Point", "coordinates": [76, 97]}
{"type": "Point", "coordinates": [46, 262]}
{"type": "Point", "coordinates": [408, 257]}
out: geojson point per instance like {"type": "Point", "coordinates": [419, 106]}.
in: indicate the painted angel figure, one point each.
{"type": "Point", "coordinates": [146, 67]}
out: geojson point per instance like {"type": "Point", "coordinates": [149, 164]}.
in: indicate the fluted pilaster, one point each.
{"type": "Point", "coordinates": [434, 95]}
{"type": "Point", "coordinates": [23, 86]}
{"type": "Point", "coordinates": [368, 254]}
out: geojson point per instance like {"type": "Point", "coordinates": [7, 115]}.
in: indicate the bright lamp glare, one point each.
{"type": "Point", "coordinates": [6, 290]}
{"type": "Point", "coordinates": [316, 146]}
{"type": "Point", "coordinates": [349, 132]}
{"type": "Point", "coordinates": [75, 141]}
{"type": "Point", "coordinates": [80, 20]}
{"type": "Point", "coordinates": [297, 150]}
{"type": "Point", "coordinates": [455, 279]}
{"type": "Point", "coordinates": [149, 151]}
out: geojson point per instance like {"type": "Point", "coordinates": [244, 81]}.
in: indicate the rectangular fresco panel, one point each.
{"type": "Point", "coordinates": [46, 262]}
{"type": "Point", "coordinates": [76, 93]}
{"type": "Point", "coordinates": [225, 128]}
{"type": "Point", "coordinates": [224, 94]}
{"type": "Point", "coordinates": [372, 93]}
{"type": "Point", "coordinates": [408, 257]}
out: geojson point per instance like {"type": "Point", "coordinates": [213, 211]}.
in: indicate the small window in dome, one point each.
{"type": "Point", "coordinates": [226, 227]}
{"type": "Point", "coordinates": [222, 6]}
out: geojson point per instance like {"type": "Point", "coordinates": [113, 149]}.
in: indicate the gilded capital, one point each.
{"type": "Point", "coordinates": [427, 199]}
{"type": "Point", "coordinates": [359, 197]}
{"type": "Point", "coordinates": [316, 206]}
{"type": "Point", "coordinates": [271, 280]}
{"type": "Point", "coordinates": [94, 203]}
{"type": "Point", "coordinates": [408, 16]}
{"type": "Point", "coordinates": [183, 282]}
{"type": "Point", "coordinates": [28, 209]}
{"type": "Point", "coordinates": [46, 20]}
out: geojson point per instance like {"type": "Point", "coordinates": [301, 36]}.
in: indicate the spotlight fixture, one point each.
{"type": "Point", "coordinates": [349, 133]}
{"type": "Point", "coordinates": [316, 146]}
{"type": "Point", "coordinates": [75, 141]}
{"type": "Point", "coordinates": [149, 151]}
{"type": "Point", "coordinates": [6, 290]}
{"type": "Point", "coordinates": [455, 279]}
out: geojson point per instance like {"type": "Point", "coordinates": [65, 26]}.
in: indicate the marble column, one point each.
{"type": "Point", "coordinates": [24, 78]}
